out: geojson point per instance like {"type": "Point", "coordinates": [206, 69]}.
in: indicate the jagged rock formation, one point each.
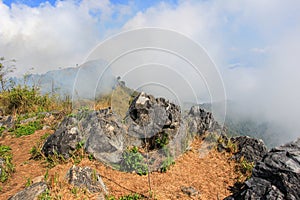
{"type": "Point", "coordinates": [32, 192]}
{"type": "Point", "coordinates": [86, 178]}
{"type": "Point", "coordinates": [151, 119]}
{"type": "Point", "coordinates": [251, 149]}
{"type": "Point", "coordinates": [276, 176]}
{"type": "Point", "coordinates": [151, 123]}
{"type": "Point", "coordinates": [199, 120]}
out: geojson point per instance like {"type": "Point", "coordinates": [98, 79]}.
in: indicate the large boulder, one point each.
{"type": "Point", "coordinates": [100, 131]}
{"type": "Point", "coordinates": [276, 176]}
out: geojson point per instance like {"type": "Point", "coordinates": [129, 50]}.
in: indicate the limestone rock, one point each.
{"type": "Point", "coordinates": [251, 149]}
{"type": "Point", "coordinates": [276, 176]}
{"type": "Point", "coordinates": [30, 193]}
{"type": "Point", "coordinates": [86, 178]}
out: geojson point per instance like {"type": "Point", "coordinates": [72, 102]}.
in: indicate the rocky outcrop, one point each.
{"type": "Point", "coordinates": [199, 120]}
{"type": "Point", "coordinates": [32, 192]}
{"type": "Point", "coordinates": [276, 176]}
{"type": "Point", "coordinates": [86, 178]}
{"type": "Point", "coordinates": [251, 149]}
{"type": "Point", "coordinates": [150, 124]}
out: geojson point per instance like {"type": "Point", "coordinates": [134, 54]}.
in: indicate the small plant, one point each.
{"type": "Point", "coordinates": [162, 140]}
{"type": "Point", "coordinates": [2, 129]}
{"type": "Point", "coordinates": [131, 197]}
{"type": "Point", "coordinates": [46, 176]}
{"type": "Point", "coordinates": [232, 147]}
{"type": "Point", "coordinates": [36, 151]}
{"type": "Point", "coordinates": [28, 182]}
{"type": "Point", "coordinates": [126, 197]}
{"type": "Point", "coordinates": [80, 145]}
{"type": "Point", "coordinates": [27, 129]}
{"type": "Point", "coordinates": [78, 154]}
{"type": "Point", "coordinates": [55, 159]}
{"type": "Point", "coordinates": [7, 166]}
{"type": "Point", "coordinates": [74, 190]}
{"type": "Point", "coordinates": [169, 160]}
{"type": "Point", "coordinates": [94, 176]}
{"type": "Point", "coordinates": [246, 167]}
{"type": "Point", "coordinates": [167, 164]}
{"type": "Point", "coordinates": [45, 136]}
{"type": "Point", "coordinates": [227, 144]}
{"type": "Point", "coordinates": [134, 161]}
{"type": "Point", "coordinates": [71, 115]}
{"type": "Point", "coordinates": [91, 157]}
{"type": "Point", "coordinates": [45, 195]}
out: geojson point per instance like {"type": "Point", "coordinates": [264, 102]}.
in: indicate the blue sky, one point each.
{"type": "Point", "coordinates": [31, 3]}
{"type": "Point", "coordinates": [141, 4]}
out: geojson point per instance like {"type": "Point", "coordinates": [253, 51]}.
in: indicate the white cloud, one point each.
{"type": "Point", "coordinates": [265, 31]}
{"type": "Point", "coordinates": [48, 37]}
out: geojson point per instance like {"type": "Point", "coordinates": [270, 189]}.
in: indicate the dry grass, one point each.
{"type": "Point", "coordinates": [211, 174]}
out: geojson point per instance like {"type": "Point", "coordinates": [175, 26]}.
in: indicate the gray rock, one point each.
{"type": "Point", "coordinates": [151, 119]}
{"type": "Point", "coordinates": [7, 121]}
{"type": "Point", "coordinates": [65, 138]}
{"type": "Point", "coordinates": [100, 131]}
{"type": "Point", "coordinates": [199, 120]}
{"type": "Point", "coordinates": [276, 176]}
{"type": "Point", "coordinates": [190, 191]}
{"type": "Point", "coordinates": [2, 162]}
{"type": "Point", "coordinates": [30, 193]}
{"type": "Point", "coordinates": [106, 138]}
{"type": "Point", "coordinates": [251, 149]}
{"type": "Point", "coordinates": [28, 120]}
{"type": "Point", "coordinates": [86, 178]}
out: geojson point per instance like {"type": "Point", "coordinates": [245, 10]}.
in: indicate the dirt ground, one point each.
{"type": "Point", "coordinates": [211, 174]}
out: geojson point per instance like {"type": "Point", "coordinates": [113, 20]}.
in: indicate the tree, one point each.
{"type": "Point", "coordinates": [6, 67]}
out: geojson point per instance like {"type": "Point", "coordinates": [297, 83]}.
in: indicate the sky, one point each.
{"type": "Point", "coordinates": [254, 43]}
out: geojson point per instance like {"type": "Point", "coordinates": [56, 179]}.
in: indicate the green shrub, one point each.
{"type": "Point", "coordinates": [7, 167]}
{"type": "Point", "coordinates": [134, 161]}
{"type": "Point", "coordinates": [24, 99]}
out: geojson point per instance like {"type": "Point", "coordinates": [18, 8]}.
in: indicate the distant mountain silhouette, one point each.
{"type": "Point", "coordinates": [86, 81]}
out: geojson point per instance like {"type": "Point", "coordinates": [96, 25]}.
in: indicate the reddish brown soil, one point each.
{"type": "Point", "coordinates": [211, 175]}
